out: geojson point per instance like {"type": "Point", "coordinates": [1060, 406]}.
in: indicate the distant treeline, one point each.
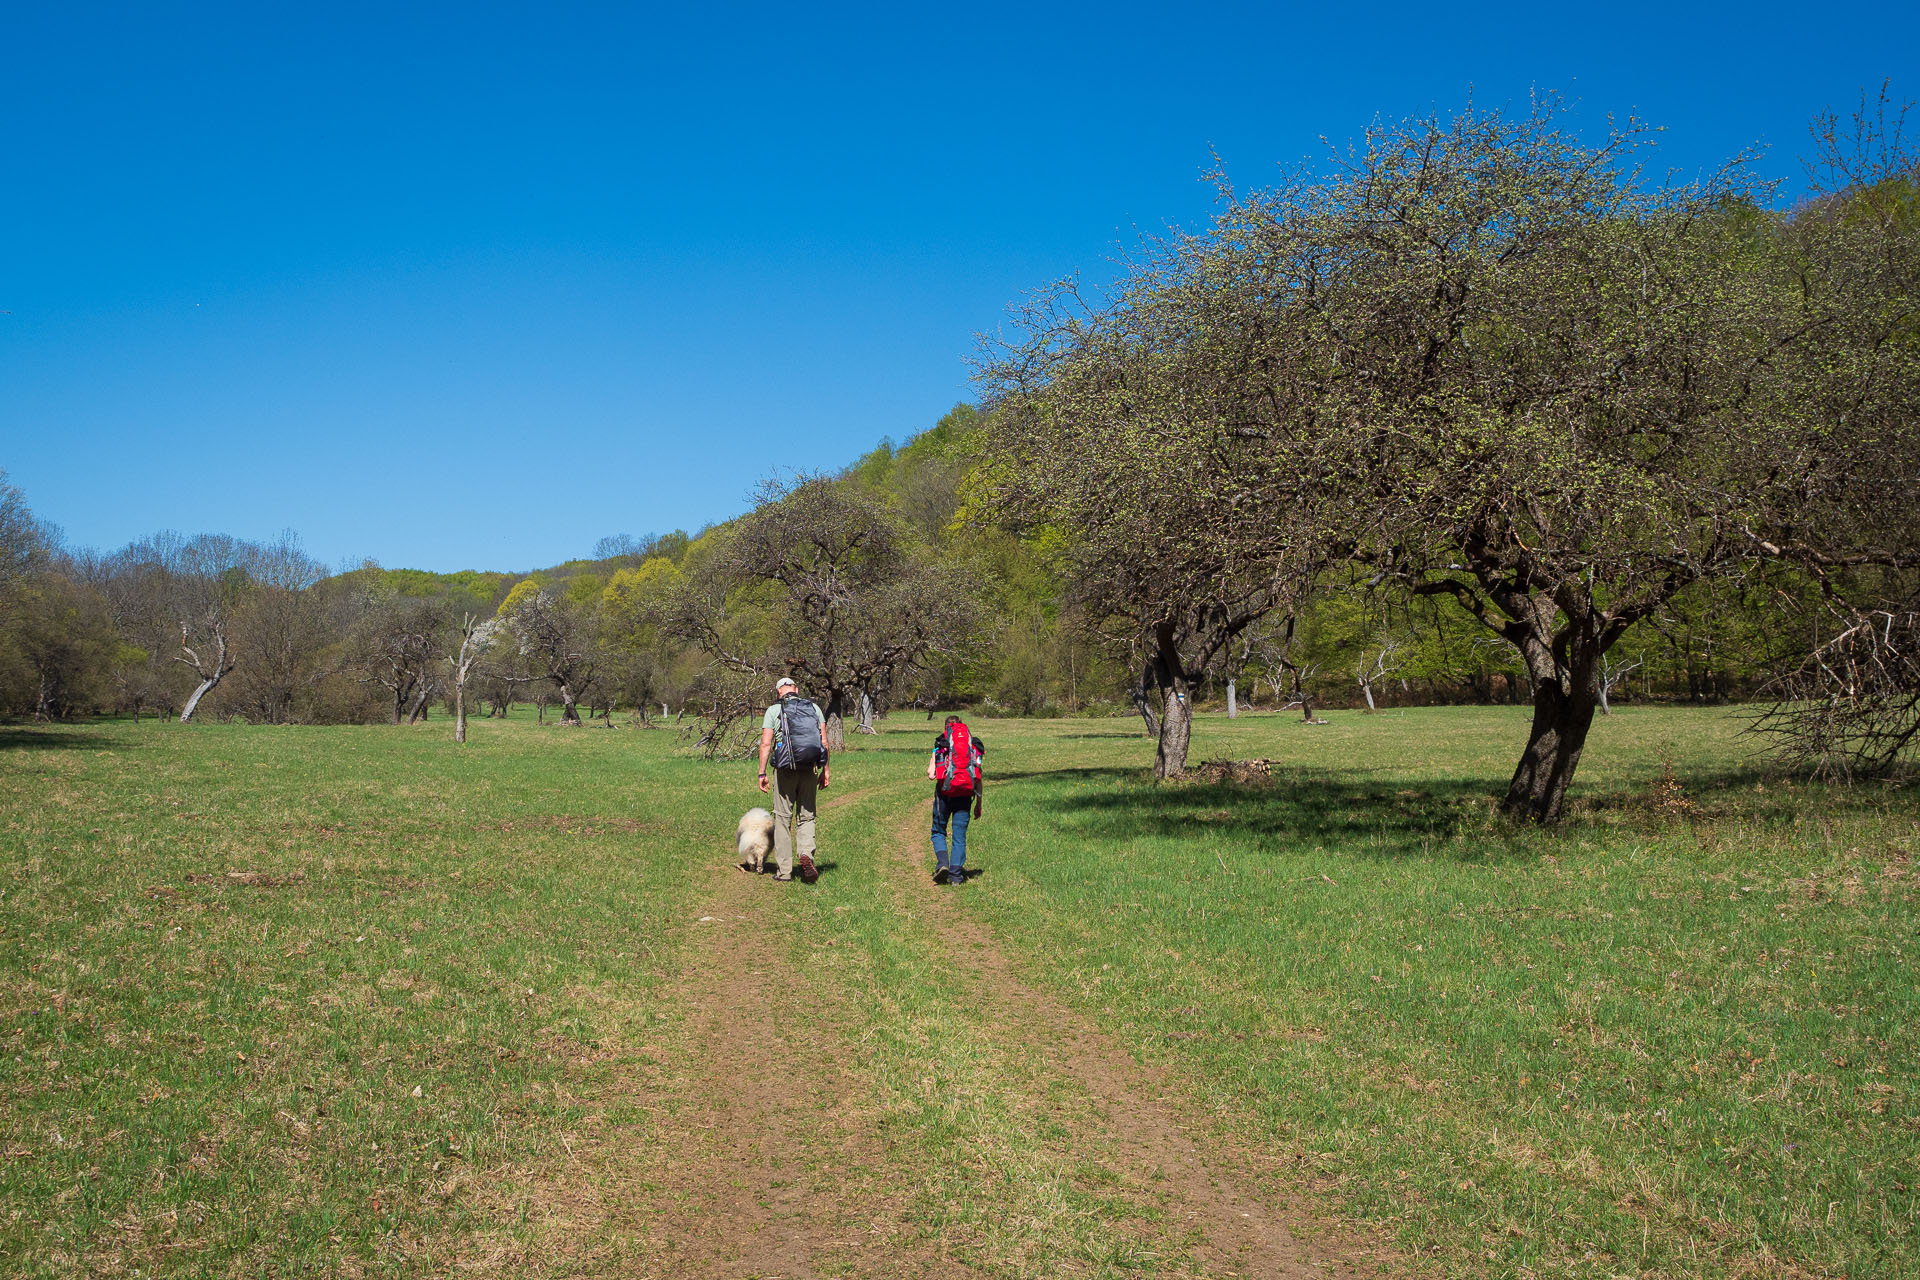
{"type": "Point", "coordinates": [137, 631]}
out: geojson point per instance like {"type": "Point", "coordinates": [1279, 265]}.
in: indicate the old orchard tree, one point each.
{"type": "Point", "coordinates": [1481, 359]}
{"type": "Point", "coordinates": [824, 581]}
{"type": "Point", "coordinates": [1137, 436]}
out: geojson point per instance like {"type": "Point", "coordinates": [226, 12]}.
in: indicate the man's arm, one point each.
{"type": "Point", "coordinates": [766, 747]}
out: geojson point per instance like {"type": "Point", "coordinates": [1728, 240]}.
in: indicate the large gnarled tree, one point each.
{"type": "Point", "coordinates": [825, 582]}
{"type": "Point", "coordinates": [1481, 358]}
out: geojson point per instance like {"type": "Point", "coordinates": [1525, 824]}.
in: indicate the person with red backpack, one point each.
{"type": "Point", "coordinates": [958, 785]}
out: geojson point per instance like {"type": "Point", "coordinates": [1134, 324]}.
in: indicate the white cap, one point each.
{"type": "Point", "coordinates": [784, 681]}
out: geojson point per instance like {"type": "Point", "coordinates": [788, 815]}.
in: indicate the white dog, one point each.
{"type": "Point", "coordinates": [756, 839]}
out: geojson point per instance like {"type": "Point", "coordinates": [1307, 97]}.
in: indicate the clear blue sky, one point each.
{"type": "Point", "coordinates": [469, 287]}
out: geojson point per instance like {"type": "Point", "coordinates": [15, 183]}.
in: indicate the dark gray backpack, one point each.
{"type": "Point", "coordinates": [801, 745]}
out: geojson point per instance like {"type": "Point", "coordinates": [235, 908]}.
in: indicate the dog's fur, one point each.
{"type": "Point", "coordinates": [755, 839]}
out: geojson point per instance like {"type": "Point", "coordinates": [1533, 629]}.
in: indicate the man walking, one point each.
{"type": "Point", "coordinates": [791, 733]}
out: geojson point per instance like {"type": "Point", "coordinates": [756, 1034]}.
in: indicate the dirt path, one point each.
{"type": "Point", "coordinates": [736, 1188]}
{"type": "Point", "coordinates": [1144, 1138]}
{"type": "Point", "coordinates": [775, 1169]}
{"type": "Point", "coordinates": [763, 1156]}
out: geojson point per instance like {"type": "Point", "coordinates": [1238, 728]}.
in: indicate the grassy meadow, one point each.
{"type": "Point", "coordinates": [1677, 1037]}
{"type": "Point", "coordinates": [319, 1001]}
{"type": "Point", "coordinates": [277, 996]}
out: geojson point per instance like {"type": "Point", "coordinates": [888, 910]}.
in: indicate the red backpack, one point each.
{"type": "Point", "coordinates": [957, 771]}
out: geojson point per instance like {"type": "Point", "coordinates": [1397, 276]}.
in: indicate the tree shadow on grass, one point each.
{"type": "Point", "coordinates": [1756, 793]}
{"type": "Point", "coordinates": [49, 738]}
{"type": "Point", "coordinates": [1084, 773]}
{"type": "Point", "coordinates": [1307, 807]}
{"type": "Point", "coordinates": [1361, 814]}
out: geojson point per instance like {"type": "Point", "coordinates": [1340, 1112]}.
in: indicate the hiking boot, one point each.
{"type": "Point", "coordinates": [956, 875]}
{"type": "Point", "coordinates": [808, 872]}
{"type": "Point", "coordinates": [780, 878]}
{"type": "Point", "coordinates": [939, 875]}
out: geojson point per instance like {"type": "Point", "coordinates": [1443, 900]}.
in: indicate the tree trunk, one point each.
{"type": "Point", "coordinates": [1176, 732]}
{"type": "Point", "coordinates": [1233, 701]}
{"type": "Point", "coordinates": [1605, 710]}
{"type": "Point", "coordinates": [1169, 675]}
{"type": "Point", "coordinates": [836, 726]}
{"type": "Point", "coordinates": [1366, 687]}
{"type": "Point", "coordinates": [569, 706]}
{"type": "Point", "coordinates": [206, 687]}
{"type": "Point", "coordinates": [1563, 710]}
{"type": "Point", "coordinates": [866, 714]}
{"type": "Point", "coordinates": [459, 711]}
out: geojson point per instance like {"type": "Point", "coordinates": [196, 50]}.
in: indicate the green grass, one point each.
{"type": "Point", "coordinates": [273, 996]}
{"type": "Point", "coordinates": [1653, 1042]}
{"type": "Point", "coordinates": [1675, 1037]}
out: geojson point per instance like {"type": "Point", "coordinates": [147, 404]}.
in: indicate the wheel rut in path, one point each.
{"type": "Point", "coordinates": [1147, 1136]}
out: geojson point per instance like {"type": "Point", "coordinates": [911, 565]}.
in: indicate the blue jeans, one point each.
{"type": "Point", "coordinates": [959, 809]}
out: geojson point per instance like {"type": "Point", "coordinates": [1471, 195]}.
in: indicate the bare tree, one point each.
{"type": "Point", "coordinates": [1383, 663]}
{"type": "Point", "coordinates": [1299, 687]}
{"type": "Point", "coordinates": [282, 628]}
{"type": "Point", "coordinates": [1612, 672]}
{"type": "Point", "coordinates": [559, 638]}
{"type": "Point", "coordinates": [1276, 645]}
{"type": "Point", "coordinates": [204, 583]}
{"type": "Point", "coordinates": [732, 698]}
{"type": "Point", "coordinates": [822, 581]}
{"type": "Point", "coordinates": [1852, 706]}
{"type": "Point", "coordinates": [624, 547]}
{"type": "Point", "coordinates": [213, 595]}
{"type": "Point", "coordinates": [476, 637]}
{"type": "Point", "coordinates": [398, 649]}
